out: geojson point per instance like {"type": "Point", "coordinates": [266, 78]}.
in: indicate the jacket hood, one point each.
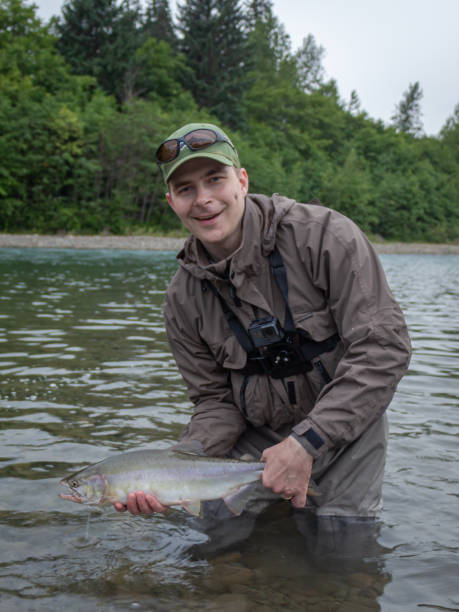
{"type": "Point", "coordinates": [262, 216]}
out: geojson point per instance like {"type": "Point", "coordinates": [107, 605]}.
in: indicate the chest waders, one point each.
{"type": "Point", "coordinates": [273, 350]}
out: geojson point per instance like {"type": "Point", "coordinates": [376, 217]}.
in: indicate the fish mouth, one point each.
{"type": "Point", "coordinates": [73, 496]}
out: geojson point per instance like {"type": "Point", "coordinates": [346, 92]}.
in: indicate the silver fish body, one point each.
{"type": "Point", "coordinates": [174, 477]}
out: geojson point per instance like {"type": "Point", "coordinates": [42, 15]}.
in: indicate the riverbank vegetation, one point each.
{"type": "Point", "coordinates": [86, 99]}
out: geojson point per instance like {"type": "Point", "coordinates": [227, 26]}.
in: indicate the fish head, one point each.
{"type": "Point", "coordinates": [84, 488]}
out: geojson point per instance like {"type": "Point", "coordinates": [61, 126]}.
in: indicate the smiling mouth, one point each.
{"type": "Point", "coordinates": [208, 218]}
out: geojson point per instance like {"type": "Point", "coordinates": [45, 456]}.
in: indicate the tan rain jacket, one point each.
{"type": "Point", "coordinates": [336, 284]}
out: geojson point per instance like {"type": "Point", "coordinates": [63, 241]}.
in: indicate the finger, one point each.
{"type": "Point", "coordinates": [142, 503]}
{"type": "Point", "coordinates": [155, 505]}
{"type": "Point", "coordinates": [266, 454]}
{"type": "Point", "coordinates": [120, 507]}
{"type": "Point", "coordinates": [271, 483]}
{"type": "Point", "coordinates": [131, 504]}
{"type": "Point", "coordinates": [299, 501]}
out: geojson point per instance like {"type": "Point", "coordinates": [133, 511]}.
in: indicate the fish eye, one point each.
{"type": "Point", "coordinates": [74, 484]}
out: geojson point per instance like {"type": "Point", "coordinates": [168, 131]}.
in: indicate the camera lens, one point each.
{"type": "Point", "coordinates": [269, 331]}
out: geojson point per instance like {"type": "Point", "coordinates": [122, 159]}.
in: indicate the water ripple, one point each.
{"type": "Point", "coordinates": [85, 371]}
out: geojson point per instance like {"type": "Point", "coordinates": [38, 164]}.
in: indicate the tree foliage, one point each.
{"type": "Point", "coordinates": [158, 22]}
{"type": "Point", "coordinates": [88, 36]}
{"type": "Point", "coordinates": [213, 44]}
{"type": "Point", "coordinates": [309, 66]}
{"type": "Point", "coordinates": [407, 115]}
{"type": "Point", "coordinates": [85, 101]}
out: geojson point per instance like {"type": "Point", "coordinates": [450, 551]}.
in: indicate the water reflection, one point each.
{"type": "Point", "coordinates": [85, 371]}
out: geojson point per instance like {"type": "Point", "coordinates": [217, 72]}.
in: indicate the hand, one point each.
{"type": "Point", "coordinates": [139, 503]}
{"type": "Point", "coordinates": [288, 470]}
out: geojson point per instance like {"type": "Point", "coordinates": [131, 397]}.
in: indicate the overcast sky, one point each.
{"type": "Point", "coordinates": [377, 47]}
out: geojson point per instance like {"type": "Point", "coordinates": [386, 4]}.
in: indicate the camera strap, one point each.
{"type": "Point", "coordinates": [280, 274]}
{"type": "Point", "coordinates": [258, 364]}
{"type": "Point", "coordinates": [236, 326]}
{"type": "Point", "coordinates": [278, 270]}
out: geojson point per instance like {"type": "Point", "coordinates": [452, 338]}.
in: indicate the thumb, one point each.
{"type": "Point", "coordinates": [264, 456]}
{"type": "Point", "coordinates": [299, 501]}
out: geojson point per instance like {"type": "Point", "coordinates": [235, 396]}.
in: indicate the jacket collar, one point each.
{"type": "Point", "coordinates": [259, 225]}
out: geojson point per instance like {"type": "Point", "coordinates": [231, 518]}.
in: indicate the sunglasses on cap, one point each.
{"type": "Point", "coordinates": [196, 140]}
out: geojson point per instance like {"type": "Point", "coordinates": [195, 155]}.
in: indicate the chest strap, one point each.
{"type": "Point", "coordinates": [291, 356]}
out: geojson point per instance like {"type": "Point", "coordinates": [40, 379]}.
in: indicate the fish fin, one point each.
{"type": "Point", "coordinates": [190, 447]}
{"type": "Point", "coordinates": [313, 489]}
{"type": "Point", "coordinates": [193, 507]}
{"type": "Point", "coordinates": [237, 501]}
{"type": "Point", "coordinates": [247, 457]}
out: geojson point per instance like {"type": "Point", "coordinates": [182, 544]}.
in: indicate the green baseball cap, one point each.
{"type": "Point", "coordinates": [222, 150]}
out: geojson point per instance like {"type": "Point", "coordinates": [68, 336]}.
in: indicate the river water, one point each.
{"type": "Point", "coordinates": [85, 371]}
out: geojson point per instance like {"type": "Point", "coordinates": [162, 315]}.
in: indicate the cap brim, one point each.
{"type": "Point", "coordinates": [222, 158]}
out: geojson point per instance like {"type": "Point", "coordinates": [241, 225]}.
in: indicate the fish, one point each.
{"type": "Point", "coordinates": [175, 476]}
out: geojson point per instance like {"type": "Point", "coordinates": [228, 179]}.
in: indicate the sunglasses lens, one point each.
{"type": "Point", "coordinates": [168, 151]}
{"type": "Point", "coordinates": [195, 141]}
{"type": "Point", "coordinates": [200, 139]}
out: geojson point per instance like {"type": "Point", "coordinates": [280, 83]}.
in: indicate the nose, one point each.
{"type": "Point", "coordinates": [202, 195]}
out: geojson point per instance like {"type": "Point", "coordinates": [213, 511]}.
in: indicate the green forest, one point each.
{"type": "Point", "coordinates": [86, 99]}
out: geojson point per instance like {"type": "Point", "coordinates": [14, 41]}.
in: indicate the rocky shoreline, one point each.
{"type": "Point", "coordinates": [156, 243]}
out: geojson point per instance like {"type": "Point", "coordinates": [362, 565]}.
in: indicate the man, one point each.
{"type": "Point", "coordinates": [284, 329]}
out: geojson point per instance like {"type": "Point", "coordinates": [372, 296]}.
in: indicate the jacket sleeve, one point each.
{"type": "Point", "coordinates": [344, 265]}
{"type": "Point", "coordinates": [216, 421]}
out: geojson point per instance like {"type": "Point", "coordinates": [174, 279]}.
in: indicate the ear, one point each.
{"type": "Point", "coordinates": [243, 180]}
{"type": "Point", "coordinates": [169, 199]}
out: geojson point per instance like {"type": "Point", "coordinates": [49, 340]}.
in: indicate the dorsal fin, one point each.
{"type": "Point", "coordinates": [190, 447]}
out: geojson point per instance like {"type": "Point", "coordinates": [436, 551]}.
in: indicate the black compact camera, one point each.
{"type": "Point", "coordinates": [264, 332]}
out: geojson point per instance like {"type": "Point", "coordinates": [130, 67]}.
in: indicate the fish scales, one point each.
{"type": "Point", "coordinates": [172, 476]}
{"type": "Point", "coordinates": [175, 477]}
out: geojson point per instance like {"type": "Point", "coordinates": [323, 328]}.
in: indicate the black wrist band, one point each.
{"type": "Point", "coordinates": [301, 440]}
{"type": "Point", "coordinates": [309, 436]}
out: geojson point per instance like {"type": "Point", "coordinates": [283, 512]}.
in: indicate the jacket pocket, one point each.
{"type": "Point", "coordinates": [318, 326]}
{"type": "Point", "coordinates": [262, 400]}
{"type": "Point", "coordinates": [228, 353]}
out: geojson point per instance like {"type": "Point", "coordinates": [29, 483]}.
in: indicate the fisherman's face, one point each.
{"type": "Point", "coordinates": [209, 198]}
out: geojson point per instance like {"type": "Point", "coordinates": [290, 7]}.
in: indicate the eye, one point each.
{"type": "Point", "coordinates": [183, 190]}
{"type": "Point", "coordinates": [74, 484]}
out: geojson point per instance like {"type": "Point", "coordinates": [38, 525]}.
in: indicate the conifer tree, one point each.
{"type": "Point", "coordinates": [309, 64]}
{"type": "Point", "coordinates": [452, 123]}
{"type": "Point", "coordinates": [268, 44]}
{"type": "Point", "coordinates": [213, 44]}
{"type": "Point", "coordinates": [407, 115]}
{"type": "Point", "coordinates": [99, 38]}
{"type": "Point", "coordinates": [272, 69]}
{"type": "Point", "coordinates": [158, 22]}
{"type": "Point", "coordinates": [257, 11]}
{"type": "Point", "coordinates": [449, 135]}
{"type": "Point", "coordinates": [354, 106]}
{"type": "Point", "coordinates": [86, 35]}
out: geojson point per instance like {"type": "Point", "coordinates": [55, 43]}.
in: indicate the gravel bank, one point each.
{"type": "Point", "coordinates": [154, 243]}
{"type": "Point", "coordinates": [71, 241]}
